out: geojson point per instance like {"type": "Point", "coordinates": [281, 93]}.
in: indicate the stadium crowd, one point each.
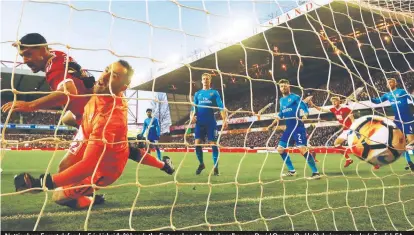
{"type": "Point", "coordinates": [43, 117]}
{"type": "Point", "coordinates": [342, 86]}
{"type": "Point", "coordinates": [319, 137]}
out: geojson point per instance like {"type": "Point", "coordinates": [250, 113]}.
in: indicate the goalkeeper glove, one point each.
{"type": "Point", "coordinates": [76, 70]}
{"type": "Point", "coordinates": [25, 181]}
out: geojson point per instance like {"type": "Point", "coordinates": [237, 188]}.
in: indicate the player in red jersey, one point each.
{"type": "Point", "coordinates": [38, 57]}
{"type": "Point", "coordinates": [100, 160]}
{"type": "Point", "coordinates": [344, 116]}
{"type": "Point", "coordinates": [75, 80]}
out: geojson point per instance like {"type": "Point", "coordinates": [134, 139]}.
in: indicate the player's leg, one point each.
{"type": "Point", "coordinates": [155, 145]}
{"type": "Point", "coordinates": [75, 152]}
{"type": "Point", "coordinates": [281, 149]}
{"type": "Point", "coordinates": [407, 129]}
{"type": "Point", "coordinates": [313, 152]}
{"type": "Point", "coordinates": [141, 156]}
{"type": "Point", "coordinates": [338, 146]}
{"type": "Point", "coordinates": [69, 119]}
{"type": "Point", "coordinates": [299, 135]}
{"type": "Point", "coordinates": [212, 135]}
{"type": "Point", "coordinates": [199, 133]}
{"type": "Point", "coordinates": [78, 196]}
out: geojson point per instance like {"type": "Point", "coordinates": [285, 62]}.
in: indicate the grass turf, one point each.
{"type": "Point", "coordinates": [354, 198]}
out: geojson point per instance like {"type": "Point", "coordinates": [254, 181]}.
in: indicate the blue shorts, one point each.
{"type": "Point", "coordinates": [203, 130]}
{"type": "Point", "coordinates": [406, 128]}
{"type": "Point", "coordinates": [297, 134]}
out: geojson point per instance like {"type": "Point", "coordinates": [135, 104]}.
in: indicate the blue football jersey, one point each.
{"type": "Point", "coordinates": [290, 106]}
{"type": "Point", "coordinates": [154, 128]}
{"type": "Point", "coordinates": [210, 98]}
{"type": "Point", "coordinates": [399, 103]}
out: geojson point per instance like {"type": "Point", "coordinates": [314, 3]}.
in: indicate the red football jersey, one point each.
{"type": "Point", "coordinates": [55, 77]}
{"type": "Point", "coordinates": [341, 115]}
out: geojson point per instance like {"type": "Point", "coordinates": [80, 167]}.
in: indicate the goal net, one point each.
{"type": "Point", "coordinates": [325, 48]}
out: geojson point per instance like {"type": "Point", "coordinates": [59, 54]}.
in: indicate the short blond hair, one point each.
{"type": "Point", "coordinates": [335, 98]}
{"type": "Point", "coordinates": [206, 74]}
{"type": "Point", "coordinates": [284, 81]}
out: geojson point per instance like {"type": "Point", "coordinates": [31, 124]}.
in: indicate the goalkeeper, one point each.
{"type": "Point", "coordinates": [77, 81]}
{"type": "Point", "coordinates": [102, 159]}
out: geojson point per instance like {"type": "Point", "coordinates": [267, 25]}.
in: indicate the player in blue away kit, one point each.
{"type": "Point", "coordinates": [205, 122]}
{"type": "Point", "coordinates": [402, 113]}
{"type": "Point", "coordinates": [290, 105]}
{"type": "Point", "coordinates": [153, 132]}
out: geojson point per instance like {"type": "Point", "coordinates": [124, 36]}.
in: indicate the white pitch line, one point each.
{"type": "Point", "coordinates": [75, 213]}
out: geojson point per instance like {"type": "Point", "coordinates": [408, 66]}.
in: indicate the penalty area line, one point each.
{"type": "Point", "coordinates": [77, 213]}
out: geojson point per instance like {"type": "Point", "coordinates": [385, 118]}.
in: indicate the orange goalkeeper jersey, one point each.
{"type": "Point", "coordinates": [102, 121]}
{"type": "Point", "coordinates": [98, 123]}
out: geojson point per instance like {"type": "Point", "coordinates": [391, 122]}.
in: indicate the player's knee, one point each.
{"type": "Point", "coordinates": [338, 142]}
{"type": "Point", "coordinates": [64, 164]}
{"type": "Point", "coordinates": [303, 149]}
{"type": "Point", "coordinates": [280, 149]}
{"type": "Point", "coordinates": [59, 197]}
{"type": "Point", "coordinates": [410, 139]}
{"type": "Point", "coordinates": [69, 119]}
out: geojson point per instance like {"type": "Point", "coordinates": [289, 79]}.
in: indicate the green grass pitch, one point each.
{"type": "Point", "coordinates": [354, 198]}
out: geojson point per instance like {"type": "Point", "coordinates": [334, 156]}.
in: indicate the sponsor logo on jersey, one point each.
{"type": "Point", "coordinates": [287, 110]}
{"type": "Point", "coordinates": [205, 101]}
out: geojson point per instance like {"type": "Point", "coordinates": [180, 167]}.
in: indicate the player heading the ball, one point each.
{"type": "Point", "coordinates": [403, 117]}
{"type": "Point", "coordinates": [345, 117]}
{"type": "Point", "coordinates": [63, 73]}
{"type": "Point", "coordinates": [205, 123]}
{"type": "Point", "coordinates": [100, 160]}
{"type": "Point", "coordinates": [290, 106]}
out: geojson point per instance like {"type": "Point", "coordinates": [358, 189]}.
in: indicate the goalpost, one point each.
{"type": "Point", "coordinates": [325, 48]}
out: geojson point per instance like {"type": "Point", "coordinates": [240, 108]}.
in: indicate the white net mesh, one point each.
{"type": "Point", "coordinates": [325, 48]}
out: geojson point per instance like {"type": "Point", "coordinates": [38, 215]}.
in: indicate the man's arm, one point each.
{"type": "Point", "coordinates": [277, 119]}
{"type": "Point", "coordinates": [55, 99]}
{"type": "Point", "coordinates": [350, 115]}
{"type": "Point", "coordinates": [223, 113]}
{"type": "Point", "coordinates": [157, 127]}
{"type": "Point", "coordinates": [321, 109]}
{"type": "Point", "coordinates": [275, 122]}
{"type": "Point", "coordinates": [304, 107]}
{"type": "Point", "coordinates": [193, 112]}
{"type": "Point", "coordinates": [144, 128]}
{"type": "Point", "coordinates": [379, 100]}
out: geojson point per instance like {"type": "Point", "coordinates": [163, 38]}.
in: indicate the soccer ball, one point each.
{"type": "Point", "coordinates": [376, 140]}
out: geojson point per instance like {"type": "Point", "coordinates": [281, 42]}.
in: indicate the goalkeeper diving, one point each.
{"type": "Point", "coordinates": [102, 158]}
{"type": "Point", "coordinates": [63, 73]}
